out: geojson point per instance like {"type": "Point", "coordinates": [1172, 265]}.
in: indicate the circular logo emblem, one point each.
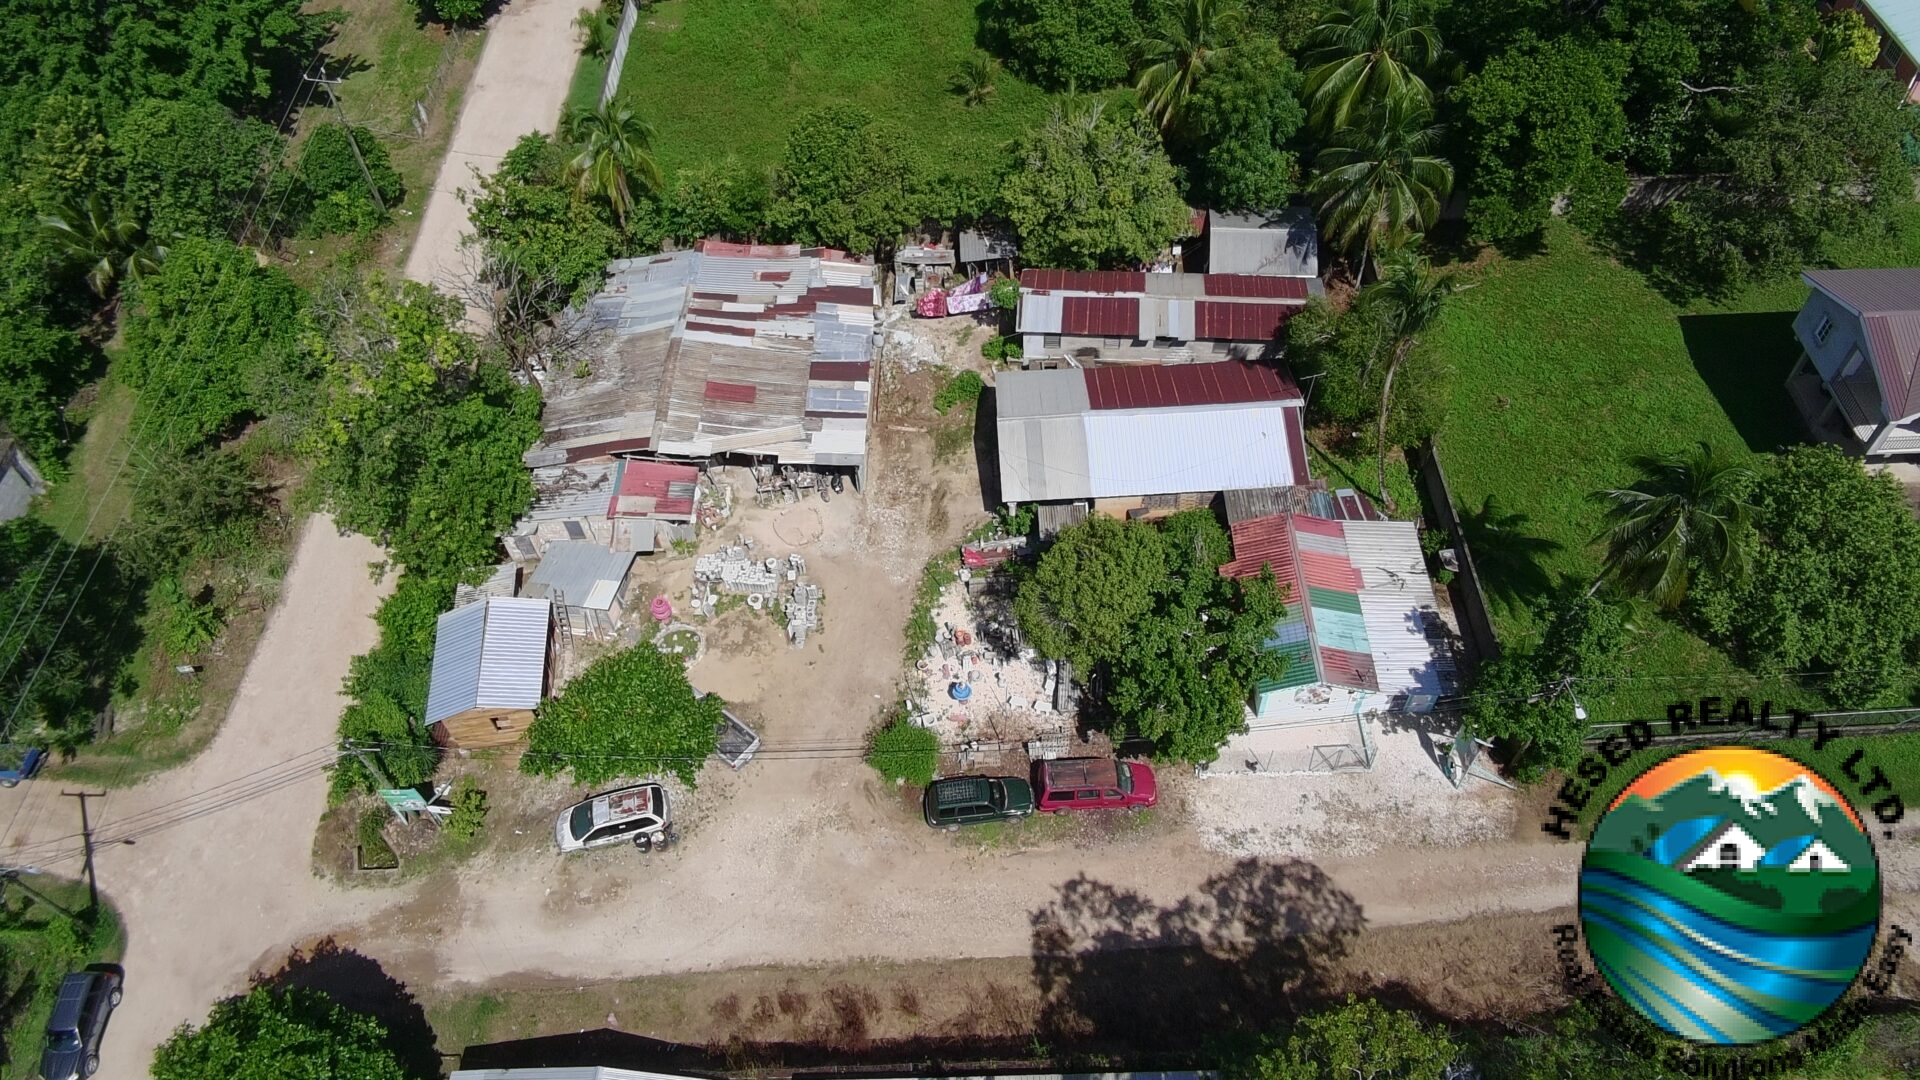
{"type": "Point", "coordinates": [1730, 895]}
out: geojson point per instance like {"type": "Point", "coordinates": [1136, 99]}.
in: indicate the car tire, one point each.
{"type": "Point", "coordinates": [113, 999]}
{"type": "Point", "coordinates": [8, 783]}
{"type": "Point", "coordinates": [92, 1066]}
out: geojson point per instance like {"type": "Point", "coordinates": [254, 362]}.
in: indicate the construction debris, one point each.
{"type": "Point", "coordinates": [769, 584]}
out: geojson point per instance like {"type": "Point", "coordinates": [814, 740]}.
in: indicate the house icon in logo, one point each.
{"type": "Point", "coordinates": [1721, 844]}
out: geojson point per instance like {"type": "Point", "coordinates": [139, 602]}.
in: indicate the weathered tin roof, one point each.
{"type": "Point", "coordinates": [586, 575]}
{"type": "Point", "coordinates": [489, 655]}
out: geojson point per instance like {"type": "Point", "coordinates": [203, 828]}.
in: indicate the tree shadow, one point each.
{"type": "Point", "coordinates": [1508, 559]}
{"type": "Point", "coordinates": [358, 983]}
{"type": "Point", "coordinates": [986, 441]}
{"type": "Point", "coordinates": [602, 1047]}
{"type": "Point", "coordinates": [1250, 948]}
{"type": "Point", "coordinates": [1744, 359]}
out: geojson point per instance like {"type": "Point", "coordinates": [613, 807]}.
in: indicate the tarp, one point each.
{"type": "Point", "coordinates": [933, 305]}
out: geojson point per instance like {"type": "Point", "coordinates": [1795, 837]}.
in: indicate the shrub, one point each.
{"type": "Point", "coordinates": [933, 580]}
{"type": "Point", "coordinates": [1005, 347]}
{"type": "Point", "coordinates": [330, 194]}
{"type": "Point", "coordinates": [963, 388]}
{"type": "Point", "coordinates": [1004, 293]}
{"type": "Point", "coordinates": [469, 810]}
{"type": "Point", "coordinates": [902, 752]}
{"type": "Point", "coordinates": [181, 625]}
{"type": "Point", "coordinates": [375, 852]}
{"type": "Point", "coordinates": [451, 12]}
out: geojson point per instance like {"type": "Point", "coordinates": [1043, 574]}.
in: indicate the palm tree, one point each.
{"type": "Point", "coordinates": [599, 29]}
{"type": "Point", "coordinates": [111, 244]}
{"type": "Point", "coordinates": [975, 82]}
{"type": "Point", "coordinates": [1379, 182]}
{"type": "Point", "coordinates": [1362, 53]}
{"type": "Point", "coordinates": [1409, 298]}
{"type": "Point", "coordinates": [1688, 510]}
{"type": "Point", "coordinates": [614, 147]}
{"type": "Point", "coordinates": [1171, 66]}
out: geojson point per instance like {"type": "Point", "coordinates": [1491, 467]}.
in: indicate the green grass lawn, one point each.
{"type": "Point", "coordinates": [1569, 365]}
{"type": "Point", "coordinates": [728, 77]}
{"type": "Point", "coordinates": [89, 503]}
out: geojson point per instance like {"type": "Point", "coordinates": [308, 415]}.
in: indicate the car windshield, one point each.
{"type": "Point", "coordinates": [582, 820]}
{"type": "Point", "coordinates": [1126, 776]}
{"type": "Point", "coordinates": [997, 795]}
{"type": "Point", "coordinates": [63, 1041]}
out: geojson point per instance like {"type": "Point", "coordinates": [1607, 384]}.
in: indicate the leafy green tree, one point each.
{"type": "Point", "coordinates": [1361, 1040]}
{"type": "Point", "coordinates": [1834, 583]}
{"type": "Point", "coordinates": [67, 155]}
{"type": "Point", "coordinates": [106, 240]}
{"type": "Point", "coordinates": [725, 198]}
{"type": "Point", "coordinates": [1347, 354]}
{"type": "Point", "coordinates": [1174, 61]}
{"type": "Point", "coordinates": [1090, 590]}
{"type": "Point", "coordinates": [453, 12]}
{"type": "Point", "coordinates": [279, 1034]}
{"type": "Point", "coordinates": [1516, 698]}
{"type": "Point", "coordinates": [629, 714]}
{"type": "Point", "coordinates": [1236, 132]}
{"type": "Point", "coordinates": [848, 181]}
{"type": "Point", "coordinates": [1845, 33]}
{"type": "Point", "coordinates": [613, 154]}
{"type": "Point", "coordinates": [1534, 120]}
{"type": "Point", "coordinates": [195, 332]}
{"type": "Point", "coordinates": [1689, 510]}
{"type": "Point", "coordinates": [388, 688]}
{"type": "Point", "coordinates": [1363, 54]}
{"type": "Point", "coordinates": [528, 217]}
{"type": "Point", "coordinates": [185, 167]}
{"type": "Point", "coordinates": [327, 193]}
{"type": "Point", "coordinates": [40, 367]}
{"type": "Point", "coordinates": [1092, 188]}
{"type": "Point", "coordinates": [1409, 297]}
{"type": "Point", "coordinates": [1380, 181]}
{"type": "Point", "coordinates": [189, 505]}
{"type": "Point", "coordinates": [1063, 43]}
{"type": "Point", "coordinates": [55, 676]}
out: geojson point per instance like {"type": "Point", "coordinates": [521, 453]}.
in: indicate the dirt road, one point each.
{"type": "Point", "coordinates": [519, 87]}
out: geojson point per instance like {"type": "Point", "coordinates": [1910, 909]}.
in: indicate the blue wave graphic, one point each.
{"type": "Point", "coordinates": [1704, 979]}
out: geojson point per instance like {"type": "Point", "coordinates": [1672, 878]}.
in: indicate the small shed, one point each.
{"type": "Point", "coordinates": [1277, 243]}
{"type": "Point", "coordinates": [586, 580]}
{"type": "Point", "coordinates": [987, 245]}
{"type": "Point", "coordinates": [19, 480]}
{"type": "Point", "coordinates": [491, 662]}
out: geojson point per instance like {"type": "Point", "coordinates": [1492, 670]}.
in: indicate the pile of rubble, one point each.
{"type": "Point", "coordinates": [975, 681]}
{"type": "Point", "coordinates": [769, 584]}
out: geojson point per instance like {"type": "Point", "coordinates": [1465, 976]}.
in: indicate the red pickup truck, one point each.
{"type": "Point", "coordinates": [1093, 784]}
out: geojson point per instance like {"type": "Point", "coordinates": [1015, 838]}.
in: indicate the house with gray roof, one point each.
{"type": "Point", "coordinates": [492, 661]}
{"type": "Point", "coordinates": [1857, 383]}
{"type": "Point", "coordinates": [586, 581]}
{"type": "Point", "coordinates": [1281, 243]}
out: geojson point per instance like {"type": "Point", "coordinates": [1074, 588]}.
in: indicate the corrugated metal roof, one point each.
{"type": "Point", "coordinates": [654, 488]}
{"type": "Point", "coordinates": [1177, 450]}
{"type": "Point", "coordinates": [1043, 459]}
{"type": "Point", "coordinates": [504, 581]}
{"type": "Point", "coordinates": [1094, 281]}
{"type": "Point", "coordinates": [1893, 342]}
{"type": "Point", "coordinates": [985, 246]}
{"type": "Point", "coordinates": [1254, 285]}
{"type": "Point", "coordinates": [1040, 392]}
{"type": "Point", "coordinates": [576, 569]}
{"type": "Point", "coordinates": [1215, 320]}
{"type": "Point", "coordinates": [1306, 498]}
{"type": "Point", "coordinates": [1149, 386]}
{"type": "Point", "coordinates": [1902, 20]}
{"type": "Point", "coordinates": [572, 491]}
{"type": "Point", "coordinates": [490, 655]}
{"type": "Point", "coordinates": [1282, 242]}
{"type": "Point", "coordinates": [1100, 316]}
{"type": "Point", "coordinates": [1040, 313]}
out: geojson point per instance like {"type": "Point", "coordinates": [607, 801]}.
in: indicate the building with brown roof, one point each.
{"type": "Point", "coordinates": [1858, 380]}
{"type": "Point", "coordinates": [1100, 316]}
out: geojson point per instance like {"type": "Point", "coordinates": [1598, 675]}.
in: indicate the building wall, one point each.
{"type": "Point", "coordinates": [1116, 350]}
{"type": "Point", "coordinates": [1317, 701]}
{"type": "Point", "coordinates": [475, 729]}
{"type": "Point", "coordinates": [1831, 355]}
{"type": "Point", "coordinates": [1891, 54]}
{"type": "Point", "coordinates": [16, 494]}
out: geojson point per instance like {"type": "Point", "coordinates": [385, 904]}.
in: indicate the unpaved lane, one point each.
{"type": "Point", "coordinates": [228, 883]}
{"type": "Point", "coordinates": [519, 87]}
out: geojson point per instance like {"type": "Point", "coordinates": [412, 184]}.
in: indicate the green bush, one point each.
{"type": "Point", "coordinates": [329, 189]}
{"type": "Point", "coordinates": [469, 810]}
{"type": "Point", "coordinates": [181, 626]}
{"type": "Point", "coordinates": [920, 628]}
{"type": "Point", "coordinates": [375, 852]}
{"type": "Point", "coordinates": [1005, 347]}
{"type": "Point", "coordinates": [1004, 293]}
{"type": "Point", "coordinates": [963, 388]}
{"type": "Point", "coordinates": [902, 752]}
{"type": "Point", "coordinates": [451, 12]}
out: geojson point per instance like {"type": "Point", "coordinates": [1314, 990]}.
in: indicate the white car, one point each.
{"type": "Point", "coordinates": [614, 818]}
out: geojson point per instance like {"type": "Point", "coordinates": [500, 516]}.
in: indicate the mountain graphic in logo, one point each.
{"type": "Point", "coordinates": [1730, 895]}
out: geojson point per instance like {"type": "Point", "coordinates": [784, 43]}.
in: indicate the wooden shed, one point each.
{"type": "Point", "coordinates": [492, 662]}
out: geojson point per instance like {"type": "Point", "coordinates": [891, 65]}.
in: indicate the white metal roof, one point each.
{"type": "Point", "coordinates": [1282, 243]}
{"type": "Point", "coordinates": [1394, 587]}
{"type": "Point", "coordinates": [489, 655]}
{"type": "Point", "coordinates": [1902, 20]}
{"type": "Point", "coordinates": [1110, 453]}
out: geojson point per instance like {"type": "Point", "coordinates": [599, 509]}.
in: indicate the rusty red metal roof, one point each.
{"type": "Point", "coordinates": [1100, 316]}
{"type": "Point", "coordinates": [649, 488]}
{"type": "Point", "coordinates": [841, 294]}
{"type": "Point", "coordinates": [1297, 446]}
{"type": "Point", "coordinates": [1329, 572]}
{"type": "Point", "coordinates": [743, 393]}
{"type": "Point", "coordinates": [839, 371]}
{"type": "Point", "coordinates": [1343, 668]}
{"type": "Point", "coordinates": [1257, 285]}
{"type": "Point", "coordinates": [1148, 386]}
{"type": "Point", "coordinates": [1264, 541]}
{"type": "Point", "coordinates": [1107, 281]}
{"type": "Point", "coordinates": [720, 328]}
{"type": "Point", "coordinates": [1215, 320]}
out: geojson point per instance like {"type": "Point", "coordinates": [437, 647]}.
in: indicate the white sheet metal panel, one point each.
{"type": "Point", "coordinates": [1403, 659]}
{"type": "Point", "coordinates": [1043, 459]}
{"type": "Point", "coordinates": [839, 442]}
{"type": "Point", "coordinates": [488, 655]}
{"type": "Point", "coordinates": [578, 570]}
{"type": "Point", "coordinates": [1023, 394]}
{"type": "Point", "coordinates": [1180, 320]}
{"type": "Point", "coordinates": [1167, 451]}
{"type": "Point", "coordinates": [1387, 554]}
{"type": "Point", "coordinates": [1039, 314]}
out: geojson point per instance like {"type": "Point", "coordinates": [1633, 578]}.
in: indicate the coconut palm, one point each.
{"type": "Point", "coordinates": [975, 81]}
{"type": "Point", "coordinates": [1409, 298]}
{"type": "Point", "coordinates": [111, 244]}
{"type": "Point", "coordinates": [613, 148]}
{"type": "Point", "coordinates": [598, 32]}
{"type": "Point", "coordinates": [1378, 181]}
{"type": "Point", "coordinates": [1688, 510]}
{"type": "Point", "coordinates": [1172, 65]}
{"type": "Point", "coordinates": [1362, 53]}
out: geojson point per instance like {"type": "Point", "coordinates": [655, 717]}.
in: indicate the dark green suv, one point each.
{"type": "Point", "coordinates": [970, 800]}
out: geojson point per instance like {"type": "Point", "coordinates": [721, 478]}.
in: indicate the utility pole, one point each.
{"type": "Point", "coordinates": [379, 774]}
{"type": "Point", "coordinates": [372, 189]}
{"type": "Point", "coordinates": [86, 842]}
{"type": "Point", "coordinates": [11, 874]}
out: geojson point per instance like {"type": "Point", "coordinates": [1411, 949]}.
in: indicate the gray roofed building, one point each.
{"type": "Point", "coordinates": [1280, 242]}
{"type": "Point", "coordinates": [987, 245]}
{"type": "Point", "coordinates": [1858, 379]}
{"type": "Point", "coordinates": [583, 575]}
{"type": "Point", "coordinates": [489, 655]}
{"type": "Point", "coordinates": [19, 480]}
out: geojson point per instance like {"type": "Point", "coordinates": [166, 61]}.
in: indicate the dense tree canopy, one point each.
{"type": "Point", "coordinates": [629, 714]}
{"type": "Point", "coordinates": [1515, 698]}
{"type": "Point", "coordinates": [848, 181]}
{"type": "Point", "coordinates": [40, 367]}
{"type": "Point", "coordinates": [1092, 188]}
{"type": "Point", "coordinates": [527, 216]}
{"type": "Point", "coordinates": [53, 680]}
{"type": "Point", "coordinates": [1062, 43]}
{"type": "Point", "coordinates": [272, 1034]}
{"type": "Point", "coordinates": [1360, 1039]}
{"type": "Point", "coordinates": [1236, 133]}
{"type": "Point", "coordinates": [186, 167]}
{"type": "Point", "coordinates": [327, 192]}
{"type": "Point", "coordinates": [1145, 606]}
{"type": "Point", "coordinates": [1835, 581]}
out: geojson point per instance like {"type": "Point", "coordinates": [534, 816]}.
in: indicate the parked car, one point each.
{"type": "Point", "coordinates": [1094, 784]}
{"type": "Point", "coordinates": [953, 801]}
{"type": "Point", "coordinates": [614, 818]}
{"type": "Point", "coordinates": [80, 1011]}
{"type": "Point", "coordinates": [29, 764]}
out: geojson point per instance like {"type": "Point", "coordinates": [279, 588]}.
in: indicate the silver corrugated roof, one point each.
{"type": "Point", "coordinates": [983, 246]}
{"type": "Point", "coordinates": [1041, 392]}
{"type": "Point", "coordinates": [586, 575]}
{"type": "Point", "coordinates": [504, 581]}
{"type": "Point", "coordinates": [572, 491]}
{"type": "Point", "coordinates": [1283, 243]}
{"type": "Point", "coordinates": [1167, 451]}
{"type": "Point", "coordinates": [1394, 587]}
{"type": "Point", "coordinates": [1039, 313]}
{"type": "Point", "coordinates": [491, 655]}
{"type": "Point", "coordinates": [1042, 459]}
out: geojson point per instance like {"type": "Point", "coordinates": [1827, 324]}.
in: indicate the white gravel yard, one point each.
{"type": "Point", "coordinates": [1405, 800]}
